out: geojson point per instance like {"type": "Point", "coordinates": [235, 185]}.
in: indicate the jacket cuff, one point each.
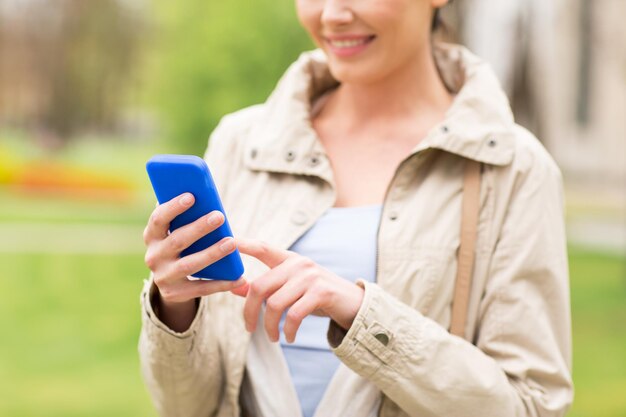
{"type": "Point", "coordinates": [371, 347]}
{"type": "Point", "coordinates": [158, 335]}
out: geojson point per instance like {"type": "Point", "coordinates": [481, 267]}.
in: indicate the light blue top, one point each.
{"type": "Point", "coordinates": [343, 241]}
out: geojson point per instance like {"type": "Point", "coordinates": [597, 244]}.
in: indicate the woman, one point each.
{"type": "Point", "coordinates": [356, 164]}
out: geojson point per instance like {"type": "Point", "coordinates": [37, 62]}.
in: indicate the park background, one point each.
{"type": "Point", "coordinates": [90, 89]}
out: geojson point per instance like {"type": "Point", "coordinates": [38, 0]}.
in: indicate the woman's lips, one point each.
{"type": "Point", "coordinates": [345, 46]}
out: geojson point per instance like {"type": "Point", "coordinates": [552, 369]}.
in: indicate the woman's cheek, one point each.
{"type": "Point", "coordinates": [309, 17]}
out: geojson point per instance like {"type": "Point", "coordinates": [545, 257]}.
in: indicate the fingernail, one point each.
{"type": "Point", "coordinates": [214, 218]}
{"type": "Point", "coordinates": [186, 200]}
{"type": "Point", "coordinates": [227, 246]}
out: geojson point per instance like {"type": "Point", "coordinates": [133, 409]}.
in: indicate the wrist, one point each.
{"type": "Point", "coordinates": [175, 307]}
{"type": "Point", "coordinates": [178, 316]}
{"type": "Point", "coordinates": [349, 307]}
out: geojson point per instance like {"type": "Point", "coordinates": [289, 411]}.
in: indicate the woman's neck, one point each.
{"type": "Point", "coordinates": [414, 92]}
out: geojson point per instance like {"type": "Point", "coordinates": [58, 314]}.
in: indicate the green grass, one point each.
{"type": "Point", "coordinates": [70, 326]}
{"type": "Point", "coordinates": [598, 286]}
{"type": "Point", "coordinates": [71, 322]}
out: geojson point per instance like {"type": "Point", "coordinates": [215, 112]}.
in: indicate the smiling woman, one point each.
{"type": "Point", "coordinates": [358, 192]}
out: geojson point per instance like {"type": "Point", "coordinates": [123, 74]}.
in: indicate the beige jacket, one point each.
{"type": "Point", "coordinates": [276, 181]}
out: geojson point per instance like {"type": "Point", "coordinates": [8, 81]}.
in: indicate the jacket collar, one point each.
{"type": "Point", "coordinates": [478, 125]}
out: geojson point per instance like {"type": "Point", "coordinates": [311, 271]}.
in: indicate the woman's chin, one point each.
{"type": "Point", "coordinates": [352, 72]}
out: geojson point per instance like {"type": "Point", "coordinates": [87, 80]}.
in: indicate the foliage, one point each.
{"type": "Point", "coordinates": [82, 170]}
{"type": "Point", "coordinates": [73, 59]}
{"type": "Point", "coordinates": [213, 58]}
{"type": "Point", "coordinates": [98, 42]}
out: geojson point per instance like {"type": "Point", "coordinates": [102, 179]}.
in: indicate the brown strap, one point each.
{"type": "Point", "coordinates": [469, 225]}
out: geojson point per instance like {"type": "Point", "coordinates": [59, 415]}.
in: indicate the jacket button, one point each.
{"type": "Point", "coordinates": [299, 218]}
{"type": "Point", "coordinates": [290, 156]}
{"type": "Point", "coordinates": [314, 160]}
{"type": "Point", "coordinates": [492, 142]}
{"type": "Point", "coordinates": [382, 338]}
{"type": "Point", "coordinates": [253, 153]}
{"type": "Point", "coordinates": [393, 215]}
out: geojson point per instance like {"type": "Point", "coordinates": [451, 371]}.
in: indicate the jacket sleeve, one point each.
{"type": "Point", "coordinates": [520, 364]}
{"type": "Point", "coordinates": [183, 371]}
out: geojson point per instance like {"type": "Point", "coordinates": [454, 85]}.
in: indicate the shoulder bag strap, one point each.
{"type": "Point", "coordinates": [469, 225]}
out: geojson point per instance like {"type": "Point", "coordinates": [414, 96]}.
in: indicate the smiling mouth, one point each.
{"type": "Point", "coordinates": [349, 43]}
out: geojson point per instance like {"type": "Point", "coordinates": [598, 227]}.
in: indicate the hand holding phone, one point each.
{"type": "Point", "coordinates": [173, 175]}
{"type": "Point", "coordinates": [170, 236]}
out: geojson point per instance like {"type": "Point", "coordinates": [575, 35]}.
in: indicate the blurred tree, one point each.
{"type": "Point", "coordinates": [216, 57]}
{"type": "Point", "coordinates": [96, 47]}
{"type": "Point", "coordinates": [65, 65]}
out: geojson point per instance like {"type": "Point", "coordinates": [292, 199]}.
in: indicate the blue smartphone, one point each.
{"type": "Point", "coordinates": [173, 175]}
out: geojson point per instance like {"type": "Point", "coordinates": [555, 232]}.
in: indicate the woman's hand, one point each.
{"type": "Point", "coordinates": [297, 284]}
{"type": "Point", "coordinates": [176, 304]}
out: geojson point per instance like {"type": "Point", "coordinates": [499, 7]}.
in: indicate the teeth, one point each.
{"type": "Point", "coordinates": [348, 44]}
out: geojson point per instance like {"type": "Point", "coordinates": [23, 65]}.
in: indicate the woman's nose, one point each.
{"type": "Point", "coordinates": [337, 12]}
